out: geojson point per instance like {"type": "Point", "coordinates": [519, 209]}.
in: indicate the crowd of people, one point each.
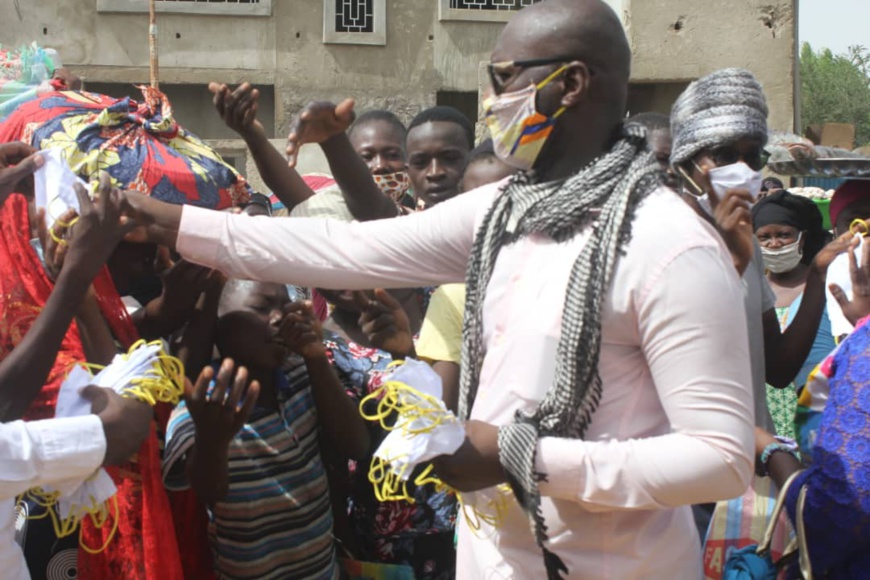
{"type": "Point", "coordinates": [625, 325]}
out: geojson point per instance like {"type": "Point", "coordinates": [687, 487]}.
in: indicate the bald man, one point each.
{"type": "Point", "coordinates": [601, 393]}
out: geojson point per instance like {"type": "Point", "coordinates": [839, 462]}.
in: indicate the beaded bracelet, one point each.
{"type": "Point", "coordinates": [785, 446]}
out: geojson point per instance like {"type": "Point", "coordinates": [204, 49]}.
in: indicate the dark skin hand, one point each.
{"type": "Point", "coordinates": [338, 414]}
{"type": "Point", "coordinates": [385, 324]}
{"type": "Point", "coordinates": [183, 283]}
{"type": "Point", "coordinates": [475, 465]}
{"type": "Point", "coordinates": [217, 418]}
{"type": "Point", "coordinates": [126, 422]}
{"type": "Point", "coordinates": [859, 306]}
{"type": "Point", "coordinates": [94, 236]}
{"type": "Point", "coordinates": [238, 109]}
{"type": "Point", "coordinates": [326, 123]}
{"type": "Point", "coordinates": [18, 161]}
{"type": "Point", "coordinates": [780, 465]}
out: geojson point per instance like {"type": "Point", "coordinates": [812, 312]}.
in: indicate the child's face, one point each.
{"type": "Point", "coordinates": [250, 317]}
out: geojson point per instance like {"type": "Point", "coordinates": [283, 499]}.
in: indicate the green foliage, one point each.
{"type": "Point", "coordinates": [836, 89]}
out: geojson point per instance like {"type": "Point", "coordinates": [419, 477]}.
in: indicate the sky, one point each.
{"type": "Point", "coordinates": [834, 24]}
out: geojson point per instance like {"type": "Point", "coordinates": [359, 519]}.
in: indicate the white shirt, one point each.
{"type": "Point", "coordinates": [675, 424]}
{"type": "Point", "coordinates": [37, 453]}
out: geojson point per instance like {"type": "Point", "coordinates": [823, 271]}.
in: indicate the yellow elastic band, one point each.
{"type": "Point", "coordinates": [859, 227]}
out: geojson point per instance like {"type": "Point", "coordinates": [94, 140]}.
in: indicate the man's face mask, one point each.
{"type": "Point", "coordinates": [518, 130]}
{"type": "Point", "coordinates": [393, 185]}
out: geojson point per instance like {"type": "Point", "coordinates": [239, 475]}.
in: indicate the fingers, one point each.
{"type": "Point", "coordinates": [387, 299]}
{"type": "Point", "coordinates": [292, 145]}
{"type": "Point", "coordinates": [199, 392]}
{"type": "Point", "coordinates": [220, 93]}
{"type": "Point", "coordinates": [15, 152]}
{"type": "Point", "coordinates": [344, 111]}
{"type": "Point", "coordinates": [839, 295]}
{"type": "Point", "coordinates": [222, 382]}
{"type": "Point", "coordinates": [97, 397]}
{"type": "Point", "coordinates": [854, 271]}
{"type": "Point", "coordinates": [163, 261]}
{"type": "Point", "coordinates": [239, 384]}
{"type": "Point", "coordinates": [86, 206]}
{"type": "Point", "coordinates": [23, 168]}
{"type": "Point", "coordinates": [251, 396]}
{"type": "Point", "coordinates": [104, 193]}
{"type": "Point", "coordinates": [362, 300]}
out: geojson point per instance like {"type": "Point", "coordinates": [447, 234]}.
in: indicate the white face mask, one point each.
{"type": "Point", "coordinates": [735, 176]}
{"type": "Point", "coordinates": [784, 259]}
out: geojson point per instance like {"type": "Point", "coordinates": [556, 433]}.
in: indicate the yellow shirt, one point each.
{"type": "Point", "coordinates": [441, 333]}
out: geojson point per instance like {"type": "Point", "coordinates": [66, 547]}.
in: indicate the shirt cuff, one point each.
{"type": "Point", "coordinates": [73, 447]}
{"type": "Point", "coordinates": [199, 234]}
{"type": "Point", "coordinates": [560, 461]}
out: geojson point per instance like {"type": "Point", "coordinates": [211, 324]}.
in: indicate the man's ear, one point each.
{"type": "Point", "coordinates": [577, 80]}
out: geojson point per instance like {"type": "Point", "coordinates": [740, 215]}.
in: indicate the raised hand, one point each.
{"type": "Point", "coordinates": [238, 109]}
{"type": "Point", "coordinates": [219, 415]}
{"type": "Point", "coordinates": [319, 121]}
{"type": "Point", "coordinates": [126, 422]}
{"type": "Point", "coordinates": [384, 322]}
{"type": "Point", "coordinates": [93, 236]}
{"type": "Point", "coordinates": [859, 306]}
{"type": "Point", "coordinates": [302, 330]}
{"type": "Point", "coordinates": [826, 256]}
{"type": "Point", "coordinates": [734, 220]}
{"type": "Point", "coordinates": [18, 161]}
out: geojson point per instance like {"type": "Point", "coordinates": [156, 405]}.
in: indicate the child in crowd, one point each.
{"type": "Point", "coordinates": [259, 468]}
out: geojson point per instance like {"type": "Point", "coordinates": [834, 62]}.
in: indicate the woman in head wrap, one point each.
{"type": "Point", "coordinates": [789, 230]}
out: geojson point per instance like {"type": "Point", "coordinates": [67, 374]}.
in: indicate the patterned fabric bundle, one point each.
{"type": "Point", "coordinates": [603, 195]}
{"type": "Point", "coordinates": [139, 144]}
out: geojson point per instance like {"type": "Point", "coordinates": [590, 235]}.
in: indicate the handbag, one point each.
{"type": "Point", "coordinates": [755, 562]}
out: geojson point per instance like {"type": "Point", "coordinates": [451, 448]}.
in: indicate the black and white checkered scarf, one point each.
{"type": "Point", "coordinates": [603, 195]}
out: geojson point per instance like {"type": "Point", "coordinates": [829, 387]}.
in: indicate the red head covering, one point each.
{"type": "Point", "coordinates": [847, 194]}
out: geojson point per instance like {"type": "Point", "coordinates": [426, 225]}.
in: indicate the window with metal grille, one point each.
{"type": "Point", "coordinates": [354, 15]}
{"type": "Point", "coordinates": [481, 10]}
{"type": "Point", "coordinates": [490, 4]}
{"type": "Point", "coordinates": [355, 22]}
{"type": "Point", "coordinates": [227, 7]}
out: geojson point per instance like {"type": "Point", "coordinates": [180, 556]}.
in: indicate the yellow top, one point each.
{"type": "Point", "coordinates": [441, 334]}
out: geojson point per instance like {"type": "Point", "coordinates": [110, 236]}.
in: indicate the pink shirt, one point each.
{"type": "Point", "coordinates": [675, 424]}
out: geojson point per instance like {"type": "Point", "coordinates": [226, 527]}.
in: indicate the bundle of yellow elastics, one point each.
{"type": "Point", "coordinates": [160, 379]}
{"type": "Point", "coordinates": [417, 413]}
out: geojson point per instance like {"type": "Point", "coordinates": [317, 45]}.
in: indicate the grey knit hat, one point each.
{"type": "Point", "coordinates": [716, 110]}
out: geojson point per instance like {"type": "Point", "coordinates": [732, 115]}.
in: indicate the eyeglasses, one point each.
{"type": "Point", "coordinates": [502, 73]}
{"type": "Point", "coordinates": [729, 155]}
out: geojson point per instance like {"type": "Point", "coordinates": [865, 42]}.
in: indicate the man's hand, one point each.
{"type": "Point", "coordinates": [98, 229]}
{"type": "Point", "coordinates": [734, 220]}
{"type": "Point", "coordinates": [18, 161]}
{"type": "Point", "coordinates": [126, 422]}
{"type": "Point", "coordinates": [238, 109]}
{"type": "Point", "coordinates": [157, 221]}
{"type": "Point", "coordinates": [218, 416]}
{"type": "Point", "coordinates": [183, 284]}
{"type": "Point", "coordinates": [384, 322]}
{"type": "Point", "coordinates": [318, 122]}
{"type": "Point", "coordinates": [859, 306]}
{"type": "Point", "coordinates": [54, 251]}
{"type": "Point", "coordinates": [302, 331]}
{"type": "Point", "coordinates": [475, 465]}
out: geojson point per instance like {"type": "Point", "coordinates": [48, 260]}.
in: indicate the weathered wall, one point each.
{"type": "Point", "coordinates": [674, 41]}
{"type": "Point", "coordinates": [680, 40]}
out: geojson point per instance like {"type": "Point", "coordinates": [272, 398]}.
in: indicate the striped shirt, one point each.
{"type": "Point", "coordinates": [275, 521]}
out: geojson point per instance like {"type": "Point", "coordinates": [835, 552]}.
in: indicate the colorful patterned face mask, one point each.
{"type": "Point", "coordinates": [395, 185]}
{"type": "Point", "coordinates": [518, 130]}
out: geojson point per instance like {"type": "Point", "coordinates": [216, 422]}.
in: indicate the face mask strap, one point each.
{"type": "Point", "coordinates": [699, 191]}
{"type": "Point", "coordinates": [550, 78]}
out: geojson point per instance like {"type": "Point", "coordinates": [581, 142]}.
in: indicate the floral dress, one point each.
{"type": "Point", "coordinates": [417, 534]}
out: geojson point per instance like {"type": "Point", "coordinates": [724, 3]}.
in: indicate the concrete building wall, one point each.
{"type": "Point", "coordinates": [674, 41]}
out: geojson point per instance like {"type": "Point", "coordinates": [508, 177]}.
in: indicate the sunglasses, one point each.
{"type": "Point", "coordinates": [502, 73]}
{"type": "Point", "coordinates": [729, 155]}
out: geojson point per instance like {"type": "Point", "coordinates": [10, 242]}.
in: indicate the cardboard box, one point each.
{"type": "Point", "coordinates": [840, 135]}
